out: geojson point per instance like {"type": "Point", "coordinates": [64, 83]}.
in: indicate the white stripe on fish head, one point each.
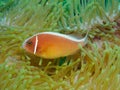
{"type": "Point", "coordinates": [36, 44]}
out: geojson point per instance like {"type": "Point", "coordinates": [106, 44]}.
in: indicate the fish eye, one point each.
{"type": "Point", "coordinates": [29, 42]}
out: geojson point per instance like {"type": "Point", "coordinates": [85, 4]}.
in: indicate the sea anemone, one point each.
{"type": "Point", "coordinates": [95, 66]}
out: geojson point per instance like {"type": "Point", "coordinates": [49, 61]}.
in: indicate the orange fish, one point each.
{"type": "Point", "coordinates": [51, 45]}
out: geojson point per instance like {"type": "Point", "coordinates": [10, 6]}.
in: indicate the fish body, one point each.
{"type": "Point", "coordinates": [52, 45]}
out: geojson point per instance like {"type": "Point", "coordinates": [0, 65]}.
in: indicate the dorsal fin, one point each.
{"type": "Point", "coordinates": [66, 36]}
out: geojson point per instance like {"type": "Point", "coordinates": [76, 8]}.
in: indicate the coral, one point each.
{"type": "Point", "coordinates": [95, 66]}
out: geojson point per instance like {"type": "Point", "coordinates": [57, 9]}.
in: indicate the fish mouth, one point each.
{"type": "Point", "coordinates": [23, 44]}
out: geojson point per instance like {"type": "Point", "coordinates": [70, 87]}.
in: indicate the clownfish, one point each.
{"type": "Point", "coordinates": [51, 45]}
